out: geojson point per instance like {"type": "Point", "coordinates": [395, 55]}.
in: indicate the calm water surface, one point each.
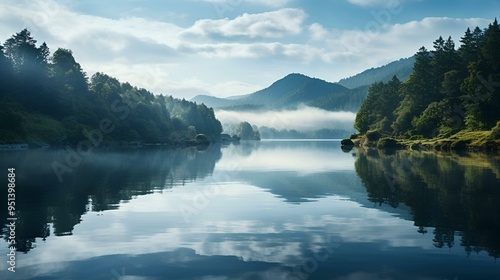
{"type": "Point", "coordinates": [268, 210]}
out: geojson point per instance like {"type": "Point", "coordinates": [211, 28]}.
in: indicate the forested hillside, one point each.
{"type": "Point", "coordinates": [401, 69]}
{"type": "Point", "coordinates": [450, 90]}
{"type": "Point", "coordinates": [48, 98]}
{"type": "Point", "coordinates": [297, 89]}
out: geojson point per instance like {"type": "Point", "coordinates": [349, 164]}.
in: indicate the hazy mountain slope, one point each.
{"type": "Point", "coordinates": [349, 100]}
{"type": "Point", "coordinates": [401, 68]}
{"type": "Point", "coordinates": [295, 89]}
{"type": "Point", "coordinates": [212, 101]}
{"type": "Point", "coordinates": [288, 92]}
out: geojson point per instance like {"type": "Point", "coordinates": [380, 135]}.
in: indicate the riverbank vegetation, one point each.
{"type": "Point", "coordinates": [450, 101]}
{"type": "Point", "coordinates": [48, 98]}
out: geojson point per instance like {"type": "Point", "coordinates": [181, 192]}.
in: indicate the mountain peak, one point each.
{"type": "Point", "coordinates": [296, 75]}
{"type": "Point", "coordinates": [295, 89]}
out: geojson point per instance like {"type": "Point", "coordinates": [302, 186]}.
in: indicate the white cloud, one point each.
{"type": "Point", "coordinates": [235, 3]}
{"type": "Point", "coordinates": [369, 47]}
{"type": "Point", "coordinates": [377, 3]}
{"type": "Point", "coordinates": [208, 55]}
{"type": "Point", "coordinates": [297, 52]}
{"type": "Point", "coordinates": [275, 24]}
{"type": "Point", "coordinates": [207, 233]}
{"type": "Point", "coordinates": [303, 161]}
{"type": "Point", "coordinates": [317, 31]}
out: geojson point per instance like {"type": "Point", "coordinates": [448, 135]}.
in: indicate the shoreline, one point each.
{"type": "Point", "coordinates": [463, 141]}
{"type": "Point", "coordinates": [29, 146]}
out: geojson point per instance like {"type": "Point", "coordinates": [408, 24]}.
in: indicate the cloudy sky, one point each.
{"type": "Point", "coordinates": [232, 47]}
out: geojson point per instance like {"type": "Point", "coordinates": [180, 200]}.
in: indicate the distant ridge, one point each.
{"type": "Point", "coordinates": [288, 92]}
{"type": "Point", "coordinates": [298, 89]}
{"type": "Point", "coordinates": [401, 68]}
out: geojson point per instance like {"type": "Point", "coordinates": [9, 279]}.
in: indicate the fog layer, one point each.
{"type": "Point", "coordinates": [302, 119]}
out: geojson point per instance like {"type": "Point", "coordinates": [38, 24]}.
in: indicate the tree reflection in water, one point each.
{"type": "Point", "coordinates": [458, 196]}
{"type": "Point", "coordinates": [100, 183]}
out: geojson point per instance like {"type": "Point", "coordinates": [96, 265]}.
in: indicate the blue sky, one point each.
{"type": "Point", "coordinates": [232, 47]}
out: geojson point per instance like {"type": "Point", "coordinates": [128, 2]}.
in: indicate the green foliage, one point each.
{"type": "Point", "coordinates": [401, 69]}
{"type": "Point", "coordinates": [387, 143]}
{"type": "Point", "coordinates": [450, 87]}
{"type": "Point", "coordinates": [347, 142]}
{"type": "Point", "coordinates": [377, 110]}
{"type": "Point", "coordinates": [25, 56]}
{"type": "Point", "coordinates": [373, 135]}
{"type": "Point", "coordinates": [429, 121]}
{"type": "Point", "coordinates": [245, 131]}
{"type": "Point", "coordinates": [459, 145]}
{"type": "Point", "coordinates": [202, 138]}
{"type": "Point", "coordinates": [495, 132]}
{"type": "Point", "coordinates": [347, 100]}
{"type": "Point", "coordinates": [418, 92]}
{"type": "Point", "coordinates": [67, 72]}
{"type": "Point", "coordinates": [481, 99]}
{"type": "Point", "coordinates": [50, 99]}
{"type": "Point", "coordinates": [449, 90]}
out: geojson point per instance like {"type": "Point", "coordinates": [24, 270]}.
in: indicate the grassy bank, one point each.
{"type": "Point", "coordinates": [461, 141]}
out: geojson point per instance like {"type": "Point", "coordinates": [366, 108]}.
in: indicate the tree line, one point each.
{"type": "Point", "coordinates": [244, 131]}
{"type": "Point", "coordinates": [47, 97]}
{"type": "Point", "coordinates": [450, 89]}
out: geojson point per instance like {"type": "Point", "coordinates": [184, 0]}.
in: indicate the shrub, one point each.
{"type": "Point", "coordinates": [347, 142]}
{"type": "Point", "coordinates": [202, 138]}
{"type": "Point", "coordinates": [459, 145]}
{"type": "Point", "coordinates": [416, 146]}
{"type": "Point", "coordinates": [388, 143]}
{"type": "Point", "coordinates": [495, 132]}
{"type": "Point", "coordinates": [373, 135]}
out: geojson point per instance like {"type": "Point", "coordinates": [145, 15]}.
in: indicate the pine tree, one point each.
{"type": "Point", "coordinates": [25, 56]}
{"type": "Point", "coordinates": [490, 48]}
{"type": "Point", "coordinates": [469, 50]}
{"type": "Point", "coordinates": [481, 87]}
{"type": "Point", "coordinates": [445, 58]}
{"type": "Point", "coordinates": [416, 92]}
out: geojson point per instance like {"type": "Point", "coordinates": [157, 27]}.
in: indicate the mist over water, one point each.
{"type": "Point", "coordinates": [304, 118]}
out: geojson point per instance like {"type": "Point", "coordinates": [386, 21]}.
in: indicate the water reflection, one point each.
{"type": "Point", "coordinates": [101, 182]}
{"type": "Point", "coordinates": [295, 171]}
{"type": "Point", "coordinates": [455, 197]}
{"type": "Point", "coordinates": [268, 210]}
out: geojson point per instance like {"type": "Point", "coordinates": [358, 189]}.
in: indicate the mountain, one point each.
{"type": "Point", "coordinates": [288, 92]}
{"type": "Point", "coordinates": [401, 68]}
{"type": "Point", "coordinates": [212, 101]}
{"type": "Point", "coordinates": [296, 89]}
{"type": "Point", "coordinates": [349, 100]}
{"type": "Point", "coordinates": [292, 90]}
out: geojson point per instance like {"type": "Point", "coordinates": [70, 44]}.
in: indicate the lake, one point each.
{"type": "Point", "coordinates": [257, 210]}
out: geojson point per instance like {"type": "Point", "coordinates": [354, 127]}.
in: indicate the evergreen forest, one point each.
{"type": "Point", "coordinates": [48, 98]}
